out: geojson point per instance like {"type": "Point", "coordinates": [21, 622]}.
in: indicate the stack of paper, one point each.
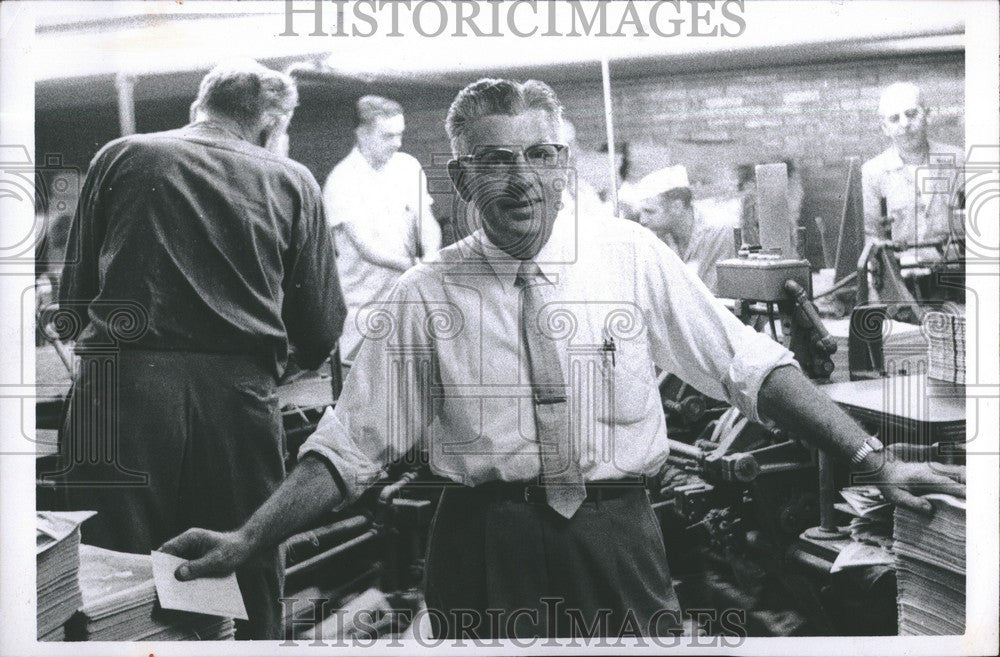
{"type": "Point", "coordinates": [946, 359]}
{"type": "Point", "coordinates": [57, 562]}
{"type": "Point", "coordinates": [119, 604]}
{"type": "Point", "coordinates": [930, 568]}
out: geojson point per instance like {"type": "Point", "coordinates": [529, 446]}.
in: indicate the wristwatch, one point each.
{"type": "Point", "coordinates": [871, 444]}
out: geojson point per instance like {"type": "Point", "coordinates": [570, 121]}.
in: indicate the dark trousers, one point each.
{"type": "Point", "coordinates": [203, 430]}
{"type": "Point", "coordinates": [501, 568]}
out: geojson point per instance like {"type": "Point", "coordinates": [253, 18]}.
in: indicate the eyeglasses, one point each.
{"type": "Point", "coordinates": [911, 114]}
{"type": "Point", "coordinates": [536, 156]}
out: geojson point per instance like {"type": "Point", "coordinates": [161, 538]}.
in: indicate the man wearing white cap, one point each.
{"type": "Point", "coordinates": [667, 210]}
{"type": "Point", "coordinates": [913, 178]}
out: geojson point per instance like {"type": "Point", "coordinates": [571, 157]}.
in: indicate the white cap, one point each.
{"type": "Point", "coordinates": [661, 181]}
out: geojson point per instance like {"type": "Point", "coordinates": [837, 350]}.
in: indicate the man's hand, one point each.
{"type": "Point", "coordinates": [902, 483]}
{"type": "Point", "coordinates": [209, 553]}
{"type": "Point", "coordinates": [308, 492]}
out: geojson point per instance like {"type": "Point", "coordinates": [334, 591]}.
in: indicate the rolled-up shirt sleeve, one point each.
{"type": "Point", "coordinates": [696, 338]}
{"type": "Point", "coordinates": [384, 409]}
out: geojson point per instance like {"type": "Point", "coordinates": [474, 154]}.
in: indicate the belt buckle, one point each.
{"type": "Point", "coordinates": [529, 498]}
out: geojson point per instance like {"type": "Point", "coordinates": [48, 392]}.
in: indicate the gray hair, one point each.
{"type": "Point", "coordinates": [370, 108]}
{"type": "Point", "coordinates": [492, 96]}
{"type": "Point", "coordinates": [245, 91]}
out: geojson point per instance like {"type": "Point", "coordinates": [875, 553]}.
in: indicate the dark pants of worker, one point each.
{"type": "Point", "coordinates": [205, 432]}
{"type": "Point", "coordinates": [501, 568]}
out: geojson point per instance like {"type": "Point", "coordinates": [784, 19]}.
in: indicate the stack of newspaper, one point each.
{"type": "Point", "coordinates": [57, 562]}
{"type": "Point", "coordinates": [946, 359]}
{"type": "Point", "coordinates": [930, 568]}
{"type": "Point", "coordinates": [119, 604]}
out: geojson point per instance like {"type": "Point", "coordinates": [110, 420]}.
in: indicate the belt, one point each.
{"type": "Point", "coordinates": [535, 493]}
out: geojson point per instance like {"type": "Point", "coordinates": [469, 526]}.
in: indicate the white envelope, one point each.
{"type": "Point", "coordinates": [216, 596]}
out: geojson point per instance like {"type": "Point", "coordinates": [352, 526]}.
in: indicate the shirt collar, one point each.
{"type": "Point", "coordinates": [892, 158]}
{"type": "Point", "coordinates": [697, 228]}
{"type": "Point", "coordinates": [934, 157]}
{"type": "Point", "coordinates": [554, 256]}
{"type": "Point", "coordinates": [358, 160]}
{"type": "Point", "coordinates": [209, 128]}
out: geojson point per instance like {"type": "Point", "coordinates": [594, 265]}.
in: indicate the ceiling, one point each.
{"type": "Point", "coordinates": [79, 48]}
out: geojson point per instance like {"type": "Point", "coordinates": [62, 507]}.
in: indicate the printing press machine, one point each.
{"type": "Point", "coordinates": [748, 511]}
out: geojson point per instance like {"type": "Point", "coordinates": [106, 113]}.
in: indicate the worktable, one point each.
{"type": "Point", "coordinates": [912, 408]}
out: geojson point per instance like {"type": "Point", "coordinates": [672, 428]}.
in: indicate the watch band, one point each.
{"type": "Point", "coordinates": [871, 444]}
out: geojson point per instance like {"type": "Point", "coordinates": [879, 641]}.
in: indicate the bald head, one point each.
{"type": "Point", "coordinates": [899, 94]}
{"type": "Point", "coordinates": [904, 116]}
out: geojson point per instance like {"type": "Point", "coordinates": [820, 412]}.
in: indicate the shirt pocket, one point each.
{"type": "Point", "coordinates": [623, 385]}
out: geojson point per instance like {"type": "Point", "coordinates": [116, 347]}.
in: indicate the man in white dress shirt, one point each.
{"type": "Point", "coordinates": [377, 202]}
{"type": "Point", "coordinates": [452, 363]}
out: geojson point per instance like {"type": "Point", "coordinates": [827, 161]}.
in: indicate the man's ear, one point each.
{"type": "Point", "coordinates": [274, 133]}
{"type": "Point", "coordinates": [675, 206]}
{"type": "Point", "coordinates": [460, 178]}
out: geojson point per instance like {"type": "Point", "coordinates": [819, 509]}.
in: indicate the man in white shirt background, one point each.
{"type": "Point", "coordinates": [469, 357]}
{"type": "Point", "coordinates": [377, 203]}
{"type": "Point", "coordinates": [915, 178]}
{"type": "Point", "coordinates": [698, 239]}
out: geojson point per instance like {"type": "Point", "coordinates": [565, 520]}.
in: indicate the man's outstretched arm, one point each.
{"type": "Point", "coordinates": [799, 406]}
{"type": "Point", "coordinates": [371, 252]}
{"type": "Point", "coordinates": [308, 492]}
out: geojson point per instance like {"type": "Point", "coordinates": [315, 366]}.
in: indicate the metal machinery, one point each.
{"type": "Point", "coordinates": [739, 495]}
{"type": "Point", "coordinates": [367, 558]}
{"type": "Point", "coordinates": [748, 511]}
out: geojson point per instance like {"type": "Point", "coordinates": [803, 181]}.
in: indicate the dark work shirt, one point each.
{"type": "Point", "coordinates": [196, 240]}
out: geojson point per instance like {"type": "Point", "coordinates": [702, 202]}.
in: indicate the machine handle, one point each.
{"type": "Point", "coordinates": [825, 341]}
{"type": "Point", "coordinates": [683, 449]}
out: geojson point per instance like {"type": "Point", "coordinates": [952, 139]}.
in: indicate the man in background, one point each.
{"type": "Point", "coordinates": [666, 209]}
{"type": "Point", "coordinates": [377, 202]}
{"type": "Point", "coordinates": [908, 188]}
{"type": "Point", "coordinates": [204, 259]}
